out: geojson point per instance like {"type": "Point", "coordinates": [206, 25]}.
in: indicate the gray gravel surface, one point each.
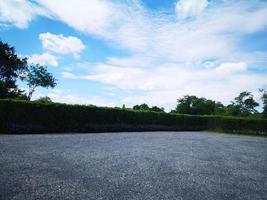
{"type": "Point", "coordinates": [151, 165]}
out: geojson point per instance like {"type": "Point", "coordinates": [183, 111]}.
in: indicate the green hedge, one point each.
{"type": "Point", "coordinates": [32, 117]}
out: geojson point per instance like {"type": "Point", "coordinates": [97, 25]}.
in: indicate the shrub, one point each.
{"type": "Point", "coordinates": [34, 117]}
{"type": "Point", "coordinates": [43, 100]}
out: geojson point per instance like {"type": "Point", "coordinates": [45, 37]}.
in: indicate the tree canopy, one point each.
{"type": "Point", "coordinates": [243, 105]}
{"type": "Point", "coordinates": [44, 100]}
{"type": "Point", "coordinates": [14, 67]}
{"type": "Point", "coordinates": [197, 106]}
{"type": "Point", "coordinates": [145, 107]}
{"type": "Point", "coordinates": [264, 101]}
{"type": "Point", "coordinates": [39, 76]}
{"type": "Point", "coordinates": [11, 67]}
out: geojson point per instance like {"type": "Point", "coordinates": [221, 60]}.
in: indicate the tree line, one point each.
{"type": "Point", "coordinates": [243, 105]}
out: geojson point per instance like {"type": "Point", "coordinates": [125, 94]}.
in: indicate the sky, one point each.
{"type": "Point", "coordinates": [110, 53]}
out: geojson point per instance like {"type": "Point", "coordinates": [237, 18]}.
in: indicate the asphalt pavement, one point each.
{"type": "Point", "coordinates": [122, 166]}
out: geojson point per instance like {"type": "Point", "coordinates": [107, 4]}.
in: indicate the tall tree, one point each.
{"type": "Point", "coordinates": [38, 76]}
{"type": "Point", "coordinates": [245, 103]}
{"type": "Point", "coordinates": [197, 106]}
{"type": "Point", "coordinates": [11, 67]}
{"type": "Point", "coordinates": [264, 101]}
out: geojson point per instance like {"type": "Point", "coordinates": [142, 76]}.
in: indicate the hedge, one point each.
{"type": "Point", "coordinates": [32, 117]}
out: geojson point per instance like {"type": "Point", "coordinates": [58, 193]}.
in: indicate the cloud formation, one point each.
{"type": "Point", "coordinates": [190, 8]}
{"type": "Point", "coordinates": [169, 56]}
{"type": "Point", "coordinates": [18, 12]}
{"type": "Point", "coordinates": [166, 83]}
{"type": "Point", "coordinates": [194, 50]}
{"type": "Point", "coordinates": [64, 96]}
{"type": "Point", "coordinates": [61, 44]}
{"type": "Point", "coordinates": [129, 25]}
{"type": "Point", "coordinates": [43, 59]}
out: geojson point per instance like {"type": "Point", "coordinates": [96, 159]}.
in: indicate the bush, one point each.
{"type": "Point", "coordinates": [34, 117]}
{"type": "Point", "coordinates": [43, 100]}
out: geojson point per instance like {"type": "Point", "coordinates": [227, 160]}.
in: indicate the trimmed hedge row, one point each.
{"type": "Point", "coordinates": [31, 117]}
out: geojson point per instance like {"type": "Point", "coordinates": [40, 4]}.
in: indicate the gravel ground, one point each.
{"type": "Point", "coordinates": [121, 166]}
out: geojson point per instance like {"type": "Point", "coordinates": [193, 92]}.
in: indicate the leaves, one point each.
{"type": "Point", "coordinates": [11, 66]}
{"type": "Point", "coordinates": [38, 76]}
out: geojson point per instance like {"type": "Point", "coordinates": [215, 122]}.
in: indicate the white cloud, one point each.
{"type": "Point", "coordinates": [43, 59]}
{"type": "Point", "coordinates": [68, 75]}
{"type": "Point", "coordinates": [164, 84]}
{"type": "Point", "coordinates": [129, 25]}
{"type": "Point", "coordinates": [227, 68]}
{"type": "Point", "coordinates": [99, 101]}
{"type": "Point", "coordinates": [190, 8]}
{"type": "Point", "coordinates": [197, 52]}
{"type": "Point", "coordinates": [65, 96]}
{"type": "Point", "coordinates": [85, 16]}
{"type": "Point", "coordinates": [19, 12]}
{"type": "Point", "coordinates": [61, 44]}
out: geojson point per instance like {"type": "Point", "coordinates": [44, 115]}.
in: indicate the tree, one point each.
{"type": "Point", "coordinates": [197, 106]}
{"type": "Point", "coordinates": [147, 108]}
{"type": "Point", "coordinates": [11, 67]}
{"type": "Point", "coordinates": [156, 109]}
{"type": "Point", "coordinates": [3, 90]}
{"type": "Point", "coordinates": [44, 100]}
{"type": "Point", "coordinates": [219, 108]}
{"type": "Point", "coordinates": [244, 104]}
{"type": "Point", "coordinates": [141, 107]}
{"type": "Point", "coordinates": [233, 110]}
{"type": "Point", "coordinates": [264, 101]}
{"type": "Point", "coordinates": [39, 76]}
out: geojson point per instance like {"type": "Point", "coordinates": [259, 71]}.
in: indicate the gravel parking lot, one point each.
{"type": "Point", "coordinates": [120, 166]}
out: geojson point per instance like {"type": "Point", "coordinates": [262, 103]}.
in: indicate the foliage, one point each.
{"type": "Point", "coordinates": [232, 110]}
{"type": "Point", "coordinates": [198, 106]}
{"type": "Point", "coordinates": [145, 107]}
{"type": "Point", "coordinates": [26, 116]}
{"type": "Point", "coordinates": [243, 105]}
{"type": "Point", "coordinates": [141, 107]}
{"type": "Point", "coordinates": [39, 76]}
{"type": "Point", "coordinates": [3, 90]}
{"type": "Point", "coordinates": [43, 100]}
{"type": "Point", "coordinates": [156, 109]}
{"type": "Point", "coordinates": [11, 68]}
{"type": "Point", "coordinates": [264, 101]}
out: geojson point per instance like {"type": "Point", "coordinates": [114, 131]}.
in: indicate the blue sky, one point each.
{"type": "Point", "coordinates": [111, 53]}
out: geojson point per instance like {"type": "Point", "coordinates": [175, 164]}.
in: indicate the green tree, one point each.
{"type": "Point", "coordinates": [244, 104]}
{"type": "Point", "coordinates": [264, 101]}
{"type": "Point", "coordinates": [11, 68]}
{"type": "Point", "coordinates": [147, 108]}
{"type": "Point", "coordinates": [156, 109]}
{"type": "Point", "coordinates": [197, 106]}
{"type": "Point", "coordinates": [219, 108]}
{"type": "Point", "coordinates": [141, 107]}
{"type": "Point", "coordinates": [3, 90]}
{"type": "Point", "coordinates": [38, 76]}
{"type": "Point", "coordinates": [44, 100]}
{"type": "Point", "coordinates": [233, 110]}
